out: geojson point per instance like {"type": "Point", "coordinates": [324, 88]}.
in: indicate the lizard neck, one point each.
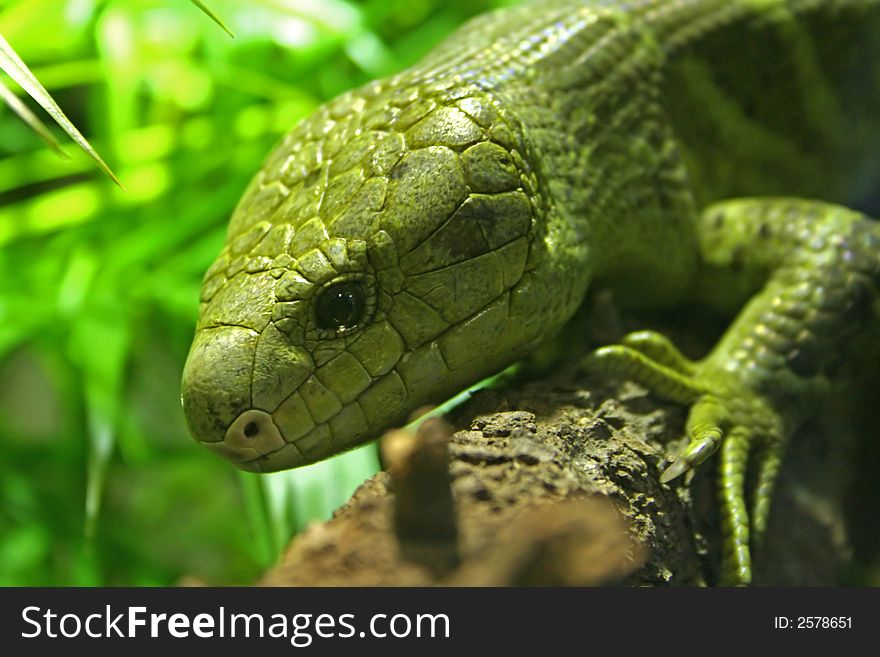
{"type": "Point", "coordinates": [633, 108]}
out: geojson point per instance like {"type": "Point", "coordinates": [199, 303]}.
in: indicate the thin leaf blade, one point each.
{"type": "Point", "coordinates": [32, 120]}
{"type": "Point", "coordinates": [102, 372]}
{"type": "Point", "coordinates": [15, 68]}
{"type": "Point", "coordinates": [210, 14]}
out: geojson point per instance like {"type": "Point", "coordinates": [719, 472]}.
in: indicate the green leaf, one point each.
{"type": "Point", "coordinates": [201, 5]}
{"type": "Point", "coordinates": [264, 546]}
{"type": "Point", "coordinates": [100, 345]}
{"type": "Point", "coordinates": [25, 114]}
{"type": "Point", "coordinates": [12, 65]}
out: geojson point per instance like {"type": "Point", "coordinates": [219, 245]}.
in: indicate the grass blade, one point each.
{"type": "Point", "coordinates": [201, 5]}
{"type": "Point", "coordinates": [31, 119]}
{"type": "Point", "coordinates": [12, 65]}
{"type": "Point", "coordinates": [101, 347]}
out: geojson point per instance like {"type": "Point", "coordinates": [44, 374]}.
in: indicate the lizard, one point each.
{"type": "Point", "coordinates": [426, 230]}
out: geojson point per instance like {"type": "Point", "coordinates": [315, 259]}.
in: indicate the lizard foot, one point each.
{"type": "Point", "coordinates": [726, 416]}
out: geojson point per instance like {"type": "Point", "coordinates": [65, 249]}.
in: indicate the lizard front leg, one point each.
{"type": "Point", "coordinates": [820, 267]}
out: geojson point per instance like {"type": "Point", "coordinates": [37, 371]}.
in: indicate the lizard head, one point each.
{"type": "Point", "coordinates": [370, 268]}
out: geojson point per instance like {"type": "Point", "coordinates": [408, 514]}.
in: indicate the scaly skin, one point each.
{"type": "Point", "coordinates": [461, 209]}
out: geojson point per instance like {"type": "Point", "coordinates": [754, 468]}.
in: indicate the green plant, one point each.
{"type": "Point", "coordinates": [99, 482]}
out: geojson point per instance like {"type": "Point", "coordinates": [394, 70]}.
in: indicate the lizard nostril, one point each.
{"type": "Point", "coordinates": [253, 433]}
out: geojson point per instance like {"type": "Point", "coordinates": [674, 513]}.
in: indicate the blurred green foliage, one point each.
{"type": "Point", "coordinates": [99, 481]}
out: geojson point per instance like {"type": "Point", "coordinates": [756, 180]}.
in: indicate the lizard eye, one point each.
{"type": "Point", "coordinates": [341, 306]}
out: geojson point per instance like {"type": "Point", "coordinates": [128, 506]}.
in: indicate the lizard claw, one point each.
{"type": "Point", "coordinates": [696, 453]}
{"type": "Point", "coordinates": [678, 468]}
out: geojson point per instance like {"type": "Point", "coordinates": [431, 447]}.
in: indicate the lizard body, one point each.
{"type": "Point", "coordinates": [420, 233]}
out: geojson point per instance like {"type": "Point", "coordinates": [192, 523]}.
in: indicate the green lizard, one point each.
{"type": "Point", "coordinates": [420, 233]}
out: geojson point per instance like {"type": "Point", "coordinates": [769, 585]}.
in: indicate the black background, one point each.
{"type": "Point", "coordinates": [522, 621]}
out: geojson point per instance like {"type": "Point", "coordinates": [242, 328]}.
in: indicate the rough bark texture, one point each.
{"type": "Point", "coordinates": [556, 482]}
